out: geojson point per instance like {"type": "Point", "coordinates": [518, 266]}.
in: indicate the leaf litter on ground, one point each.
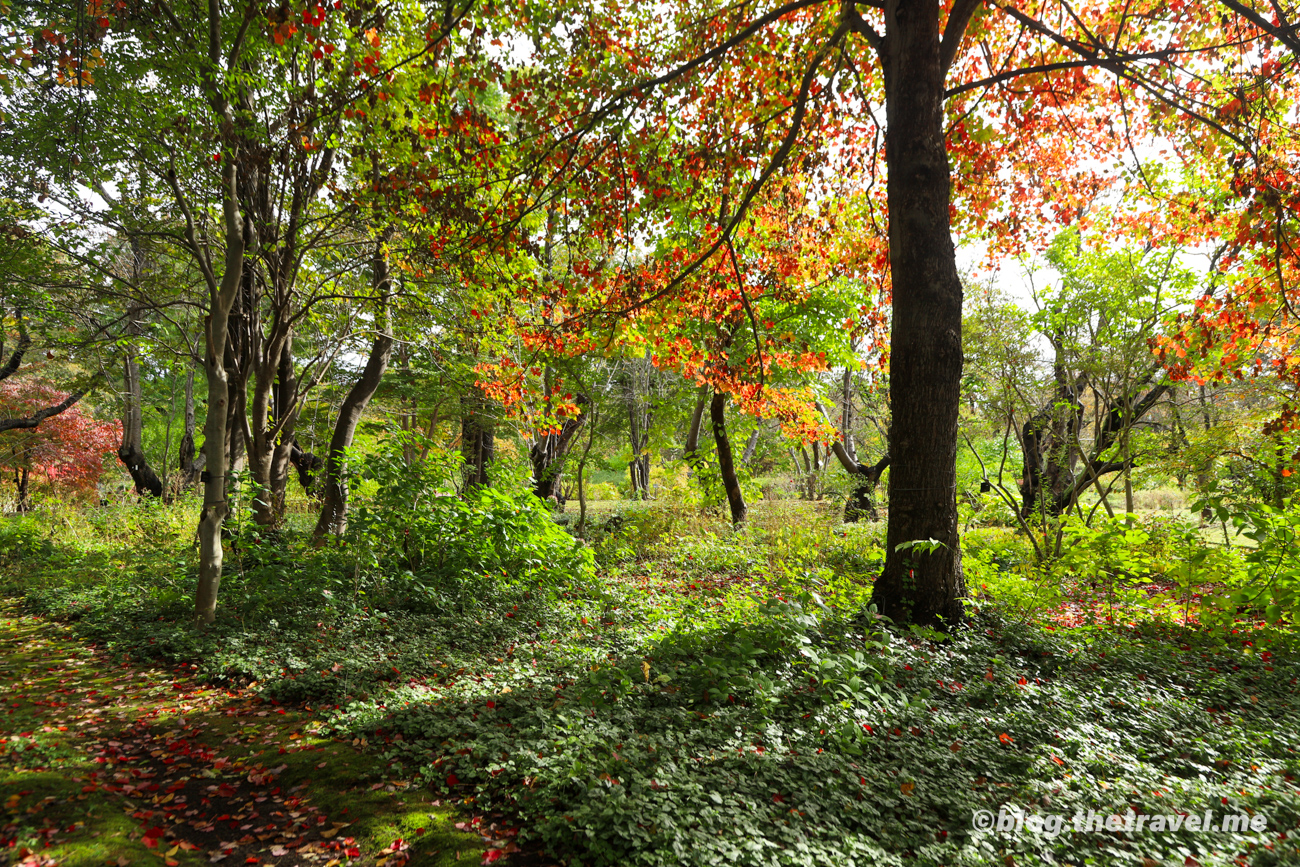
{"type": "Point", "coordinates": [107, 763]}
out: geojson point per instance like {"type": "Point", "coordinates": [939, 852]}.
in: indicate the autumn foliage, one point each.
{"type": "Point", "coordinates": [65, 452]}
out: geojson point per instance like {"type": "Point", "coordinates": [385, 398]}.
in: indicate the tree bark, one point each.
{"type": "Point", "coordinates": [189, 467]}
{"type": "Point", "coordinates": [691, 449]}
{"type": "Point", "coordinates": [131, 451]}
{"type": "Point", "coordinates": [637, 397]}
{"type": "Point", "coordinates": [21, 477]}
{"type": "Point", "coordinates": [751, 445]}
{"type": "Point", "coordinates": [925, 342]}
{"type": "Point", "coordinates": [549, 451]}
{"type": "Point", "coordinates": [477, 439]}
{"type": "Point", "coordinates": [582, 466]}
{"type": "Point", "coordinates": [726, 464]}
{"type": "Point", "coordinates": [334, 509]}
{"type": "Point", "coordinates": [237, 235]}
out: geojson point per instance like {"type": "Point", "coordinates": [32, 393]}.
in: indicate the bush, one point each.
{"type": "Point", "coordinates": [425, 550]}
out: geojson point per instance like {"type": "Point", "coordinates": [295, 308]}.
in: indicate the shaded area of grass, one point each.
{"type": "Point", "coordinates": [108, 764]}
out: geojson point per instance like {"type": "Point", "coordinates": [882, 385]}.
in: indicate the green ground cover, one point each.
{"type": "Point", "coordinates": [671, 693]}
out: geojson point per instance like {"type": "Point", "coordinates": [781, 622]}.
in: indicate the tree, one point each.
{"type": "Point", "coordinates": [66, 449]}
{"type": "Point", "coordinates": [948, 110]}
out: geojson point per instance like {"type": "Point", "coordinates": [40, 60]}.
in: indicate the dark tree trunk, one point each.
{"type": "Point", "coordinates": [1054, 497]}
{"type": "Point", "coordinates": [917, 586]}
{"type": "Point", "coordinates": [477, 438]}
{"type": "Point", "coordinates": [861, 502]}
{"type": "Point", "coordinates": [726, 464]}
{"type": "Point", "coordinates": [131, 450]}
{"type": "Point", "coordinates": [21, 477]}
{"type": "Point", "coordinates": [1048, 443]}
{"type": "Point", "coordinates": [548, 454]}
{"type": "Point", "coordinates": [334, 507]}
{"type": "Point", "coordinates": [307, 465]}
{"type": "Point", "coordinates": [190, 467]}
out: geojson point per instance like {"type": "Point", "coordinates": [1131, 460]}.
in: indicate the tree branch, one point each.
{"type": "Point", "coordinates": [36, 418]}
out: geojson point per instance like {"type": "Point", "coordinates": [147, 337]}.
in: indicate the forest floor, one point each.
{"type": "Point", "coordinates": [694, 697]}
{"type": "Point", "coordinates": [115, 764]}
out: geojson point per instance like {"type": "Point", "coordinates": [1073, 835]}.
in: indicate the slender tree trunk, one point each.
{"type": "Point", "coordinates": [925, 341]}
{"type": "Point", "coordinates": [846, 412]}
{"type": "Point", "coordinates": [637, 397]}
{"type": "Point", "coordinates": [691, 452]}
{"type": "Point", "coordinates": [726, 465]}
{"type": "Point", "coordinates": [285, 442]}
{"type": "Point", "coordinates": [131, 451]}
{"type": "Point", "coordinates": [582, 466]}
{"type": "Point", "coordinates": [222, 298]}
{"type": "Point", "coordinates": [334, 509]}
{"type": "Point", "coordinates": [750, 446]}
{"type": "Point", "coordinates": [21, 477]}
{"type": "Point", "coordinates": [189, 467]}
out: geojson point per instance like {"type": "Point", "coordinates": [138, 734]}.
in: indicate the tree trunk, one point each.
{"type": "Point", "coordinates": [1048, 441]}
{"type": "Point", "coordinates": [307, 465]}
{"type": "Point", "coordinates": [549, 451]}
{"type": "Point", "coordinates": [917, 586]}
{"type": "Point", "coordinates": [846, 412]}
{"type": "Point", "coordinates": [691, 450]}
{"type": "Point", "coordinates": [189, 467]}
{"type": "Point", "coordinates": [237, 234]}
{"type": "Point", "coordinates": [131, 451]}
{"type": "Point", "coordinates": [477, 438]}
{"type": "Point", "coordinates": [582, 466]}
{"type": "Point", "coordinates": [637, 397]}
{"type": "Point", "coordinates": [334, 509]}
{"type": "Point", "coordinates": [751, 445]}
{"type": "Point", "coordinates": [726, 465]}
{"type": "Point", "coordinates": [21, 477]}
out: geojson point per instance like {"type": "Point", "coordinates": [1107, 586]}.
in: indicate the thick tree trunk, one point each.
{"type": "Point", "coordinates": [334, 509]}
{"type": "Point", "coordinates": [726, 464]}
{"type": "Point", "coordinates": [548, 454]}
{"type": "Point", "coordinates": [131, 451]}
{"type": "Point", "coordinates": [920, 586]}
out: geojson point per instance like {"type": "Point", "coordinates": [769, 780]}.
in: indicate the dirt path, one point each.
{"type": "Point", "coordinates": [109, 765]}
